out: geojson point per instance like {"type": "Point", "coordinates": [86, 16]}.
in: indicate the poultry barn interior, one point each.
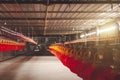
{"type": "Point", "coordinates": [59, 39]}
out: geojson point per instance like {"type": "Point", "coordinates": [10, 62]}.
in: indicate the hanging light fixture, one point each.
{"type": "Point", "coordinates": [5, 23]}
{"type": "Point", "coordinates": [73, 29]}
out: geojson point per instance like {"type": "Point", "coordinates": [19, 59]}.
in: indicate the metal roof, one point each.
{"type": "Point", "coordinates": [57, 17]}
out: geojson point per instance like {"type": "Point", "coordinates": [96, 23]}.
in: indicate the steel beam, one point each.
{"type": "Point", "coordinates": [41, 35]}
{"type": "Point", "coordinates": [22, 23]}
{"type": "Point", "coordinates": [59, 1]}
{"type": "Point", "coordinates": [55, 30]}
{"type": "Point", "coordinates": [30, 26]}
{"type": "Point", "coordinates": [60, 12]}
{"type": "Point", "coordinates": [90, 18]}
{"type": "Point", "coordinates": [46, 16]}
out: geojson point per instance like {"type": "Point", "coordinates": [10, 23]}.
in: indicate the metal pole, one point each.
{"type": "Point", "coordinates": [97, 35]}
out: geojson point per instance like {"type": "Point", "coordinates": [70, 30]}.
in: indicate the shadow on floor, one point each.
{"type": "Point", "coordinates": [9, 72]}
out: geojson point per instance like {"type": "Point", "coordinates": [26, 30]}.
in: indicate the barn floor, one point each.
{"type": "Point", "coordinates": [35, 68]}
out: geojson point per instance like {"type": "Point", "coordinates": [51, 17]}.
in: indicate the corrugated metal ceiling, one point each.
{"type": "Point", "coordinates": [56, 19]}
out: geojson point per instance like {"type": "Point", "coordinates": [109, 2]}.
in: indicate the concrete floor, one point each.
{"type": "Point", "coordinates": [35, 68]}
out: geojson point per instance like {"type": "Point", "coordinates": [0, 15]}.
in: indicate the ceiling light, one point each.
{"type": "Point", "coordinates": [73, 29]}
{"type": "Point", "coordinates": [107, 29]}
{"type": "Point", "coordinates": [82, 36]}
{"type": "Point", "coordinates": [5, 23]}
{"type": "Point", "coordinates": [90, 33]}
